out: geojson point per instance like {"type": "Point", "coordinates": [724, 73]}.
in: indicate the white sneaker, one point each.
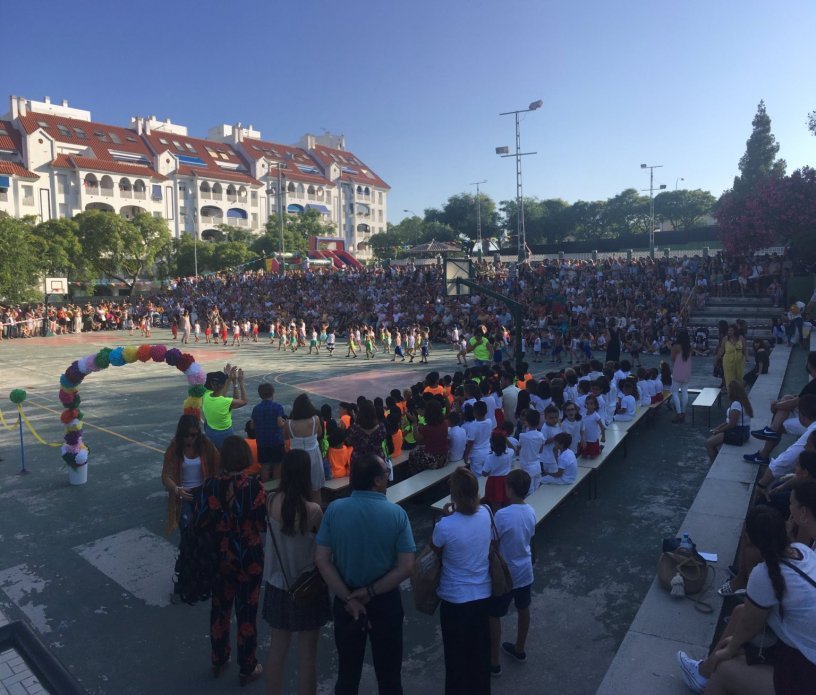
{"type": "Point", "coordinates": [691, 672]}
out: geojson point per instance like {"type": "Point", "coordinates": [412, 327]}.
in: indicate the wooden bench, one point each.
{"type": "Point", "coordinates": [706, 399]}
{"type": "Point", "coordinates": [418, 483]}
{"type": "Point", "coordinates": [548, 497]}
{"type": "Point", "coordinates": [338, 486]}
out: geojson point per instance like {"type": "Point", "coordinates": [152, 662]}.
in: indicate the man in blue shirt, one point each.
{"type": "Point", "coordinates": [267, 417]}
{"type": "Point", "coordinates": [365, 549]}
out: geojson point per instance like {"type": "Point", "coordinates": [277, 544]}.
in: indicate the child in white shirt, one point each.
{"type": "Point", "coordinates": [628, 404]}
{"type": "Point", "coordinates": [571, 424]}
{"type": "Point", "coordinates": [549, 429]}
{"type": "Point", "coordinates": [566, 472]}
{"type": "Point", "coordinates": [478, 439]}
{"type": "Point", "coordinates": [531, 443]}
{"type": "Point", "coordinates": [457, 439]}
{"type": "Point", "coordinates": [592, 430]}
{"type": "Point", "coordinates": [496, 467]}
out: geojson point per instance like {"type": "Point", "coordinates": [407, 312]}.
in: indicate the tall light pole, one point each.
{"type": "Point", "coordinates": [195, 251]}
{"type": "Point", "coordinates": [282, 264]}
{"type": "Point", "coordinates": [676, 181]}
{"type": "Point", "coordinates": [416, 237]}
{"type": "Point", "coordinates": [479, 215]}
{"type": "Point", "coordinates": [505, 152]}
{"type": "Point", "coordinates": [651, 169]}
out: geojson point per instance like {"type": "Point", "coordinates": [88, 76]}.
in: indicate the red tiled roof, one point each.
{"type": "Point", "coordinates": [112, 167]}
{"type": "Point", "coordinates": [290, 155]}
{"type": "Point", "coordinates": [11, 140]}
{"type": "Point", "coordinates": [14, 169]}
{"type": "Point", "coordinates": [161, 142]}
{"type": "Point", "coordinates": [111, 138]}
{"type": "Point", "coordinates": [324, 155]}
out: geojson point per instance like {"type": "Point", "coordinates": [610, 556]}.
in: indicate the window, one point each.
{"type": "Point", "coordinates": [3, 131]}
{"type": "Point", "coordinates": [63, 130]}
{"type": "Point", "coordinates": [191, 148]}
{"type": "Point", "coordinates": [177, 145]}
{"type": "Point", "coordinates": [163, 141]}
{"type": "Point", "coordinates": [379, 197]}
{"type": "Point", "coordinates": [28, 195]}
{"type": "Point", "coordinates": [211, 152]}
{"type": "Point", "coordinates": [129, 138]}
{"type": "Point", "coordinates": [115, 138]}
{"type": "Point", "coordinates": [254, 220]}
{"type": "Point", "coordinates": [80, 133]}
{"type": "Point", "coordinates": [224, 155]}
{"type": "Point", "coordinates": [42, 124]}
{"type": "Point", "coordinates": [254, 196]}
{"type": "Point", "coordinates": [379, 215]}
{"type": "Point", "coordinates": [155, 191]}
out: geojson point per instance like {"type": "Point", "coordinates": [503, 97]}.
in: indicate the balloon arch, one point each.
{"type": "Point", "coordinates": [74, 450]}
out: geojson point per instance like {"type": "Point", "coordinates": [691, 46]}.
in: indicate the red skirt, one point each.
{"type": "Point", "coordinates": [657, 399]}
{"type": "Point", "coordinates": [590, 450]}
{"type": "Point", "coordinates": [495, 492]}
{"type": "Point", "coordinates": [499, 415]}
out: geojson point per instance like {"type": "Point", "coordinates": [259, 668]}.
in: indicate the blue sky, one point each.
{"type": "Point", "coordinates": [417, 87]}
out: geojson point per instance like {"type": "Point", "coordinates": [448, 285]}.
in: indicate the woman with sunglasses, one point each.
{"type": "Point", "coordinates": [189, 460]}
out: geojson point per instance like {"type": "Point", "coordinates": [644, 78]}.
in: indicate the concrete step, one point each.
{"type": "Point", "coordinates": [749, 300]}
{"type": "Point", "coordinates": [712, 321]}
{"type": "Point", "coordinates": [739, 311]}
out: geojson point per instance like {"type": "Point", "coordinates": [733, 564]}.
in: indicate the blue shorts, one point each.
{"type": "Point", "coordinates": [499, 605]}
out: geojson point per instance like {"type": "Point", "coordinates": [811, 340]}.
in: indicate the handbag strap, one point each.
{"type": "Point", "coordinates": [802, 574]}
{"type": "Point", "coordinates": [494, 532]}
{"type": "Point", "coordinates": [275, 546]}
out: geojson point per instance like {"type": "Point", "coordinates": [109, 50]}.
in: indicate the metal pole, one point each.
{"type": "Point", "coordinates": [195, 251]}
{"type": "Point", "coordinates": [651, 211]}
{"type": "Point", "coordinates": [479, 216]}
{"type": "Point", "coordinates": [22, 444]}
{"type": "Point", "coordinates": [522, 242]}
{"type": "Point", "coordinates": [281, 268]}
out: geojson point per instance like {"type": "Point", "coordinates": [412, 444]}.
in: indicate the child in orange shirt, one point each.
{"type": "Point", "coordinates": [339, 455]}
{"type": "Point", "coordinates": [249, 429]}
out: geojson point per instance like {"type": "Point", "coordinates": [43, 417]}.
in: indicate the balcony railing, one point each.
{"type": "Point", "coordinates": [28, 200]}
{"type": "Point", "coordinates": [107, 192]}
{"type": "Point", "coordinates": [140, 195]}
{"type": "Point", "coordinates": [217, 196]}
{"type": "Point", "coordinates": [211, 221]}
{"type": "Point", "coordinates": [237, 222]}
{"type": "Point", "coordinates": [125, 193]}
{"type": "Point", "coordinates": [91, 190]}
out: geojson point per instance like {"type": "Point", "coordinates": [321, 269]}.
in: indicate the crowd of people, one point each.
{"type": "Point", "coordinates": [569, 303]}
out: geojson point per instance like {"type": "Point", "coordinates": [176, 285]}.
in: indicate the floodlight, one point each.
{"type": "Point", "coordinates": [536, 105]}
{"type": "Point", "coordinates": [503, 150]}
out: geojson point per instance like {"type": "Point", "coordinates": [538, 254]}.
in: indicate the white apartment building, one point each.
{"type": "Point", "coordinates": [56, 162]}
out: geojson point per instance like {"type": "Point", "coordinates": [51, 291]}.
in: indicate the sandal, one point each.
{"type": "Point", "coordinates": [251, 677]}
{"type": "Point", "coordinates": [727, 590]}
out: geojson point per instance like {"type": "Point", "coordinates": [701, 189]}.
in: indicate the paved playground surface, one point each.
{"type": "Point", "coordinates": [89, 568]}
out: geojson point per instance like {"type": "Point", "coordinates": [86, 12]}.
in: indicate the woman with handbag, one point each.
{"type": "Point", "coordinates": [366, 435]}
{"type": "Point", "coordinates": [781, 597]}
{"type": "Point", "coordinates": [462, 540]}
{"type": "Point", "coordinates": [736, 430]}
{"type": "Point", "coordinates": [289, 606]}
{"type": "Point", "coordinates": [304, 431]}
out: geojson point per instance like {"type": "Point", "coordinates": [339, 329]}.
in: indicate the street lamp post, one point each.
{"type": "Point", "coordinates": [195, 251]}
{"type": "Point", "coordinates": [479, 216]}
{"type": "Point", "coordinates": [651, 169]}
{"type": "Point", "coordinates": [505, 152]}
{"type": "Point", "coordinates": [416, 237]}
{"type": "Point", "coordinates": [676, 181]}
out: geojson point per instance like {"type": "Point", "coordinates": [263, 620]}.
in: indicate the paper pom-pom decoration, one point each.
{"type": "Point", "coordinates": [17, 396]}
{"type": "Point", "coordinates": [103, 358]}
{"type": "Point", "coordinates": [184, 362]}
{"type": "Point", "coordinates": [130, 352]}
{"type": "Point", "coordinates": [157, 353]}
{"type": "Point", "coordinates": [117, 357]}
{"type": "Point", "coordinates": [74, 451]}
{"type": "Point", "coordinates": [172, 356]}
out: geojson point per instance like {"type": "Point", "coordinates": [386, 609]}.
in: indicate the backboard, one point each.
{"type": "Point", "coordinates": [56, 285]}
{"type": "Point", "coordinates": [457, 268]}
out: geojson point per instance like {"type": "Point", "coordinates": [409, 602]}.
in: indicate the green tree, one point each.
{"type": "Point", "coordinates": [120, 249]}
{"type": "Point", "coordinates": [627, 213]}
{"type": "Point", "coordinates": [683, 209]}
{"type": "Point", "coordinates": [812, 122]}
{"type": "Point", "coordinates": [545, 221]}
{"type": "Point", "coordinates": [59, 249]}
{"type": "Point", "coordinates": [460, 213]}
{"type": "Point", "coordinates": [230, 233]}
{"type": "Point", "coordinates": [759, 161]}
{"type": "Point", "coordinates": [229, 254]}
{"type": "Point", "coordinates": [587, 219]}
{"type": "Point", "coordinates": [184, 253]}
{"type": "Point", "coordinates": [20, 266]}
{"type": "Point", "coordinates": [386, 244]}
{"type": "Point", "coordinates": [439, 231]}
{"type": "Point", "coordinates": [297, 228]}
{"type": "Point", "coordinates": [409, 231]}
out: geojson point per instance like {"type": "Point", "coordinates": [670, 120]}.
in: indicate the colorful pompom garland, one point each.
{"type": "Point", "coordinates": [74, 451]}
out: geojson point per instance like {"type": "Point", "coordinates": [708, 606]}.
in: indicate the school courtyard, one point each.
{"type": "Point", "coordinates": [89, 568]}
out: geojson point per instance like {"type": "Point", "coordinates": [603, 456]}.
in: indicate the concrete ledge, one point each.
{"type": "Point", "coordinates": [645, 662]}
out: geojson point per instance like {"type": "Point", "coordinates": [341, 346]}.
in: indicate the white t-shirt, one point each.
{"type": "Point", "coordinates": [591, 426]}
{"type": "Point", "coordinates": [629, 406]}
{"type": "Point", "coordinates": [529, 450]}
{"type": "Point", "coordinates": [795, 628]}
{"type": "Point", "coordinates": [457, 439]}
{"type": "Point", "coordinates": [509, 402]}
{"type": "Point", "coordinates": [516, 526]}
{"type": "Point", "coordinates": [742, 419]}
{"type": "Point", "coordinates": [547, 457]}
{"type": "Point", "coordinates": [573, 427]}
{"type": "Point", "coordinates": [498, 464]}
{"type": "Point", "coordinates": [569, 464]}
{"type": "Point", "coordinates": [465, 541]}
